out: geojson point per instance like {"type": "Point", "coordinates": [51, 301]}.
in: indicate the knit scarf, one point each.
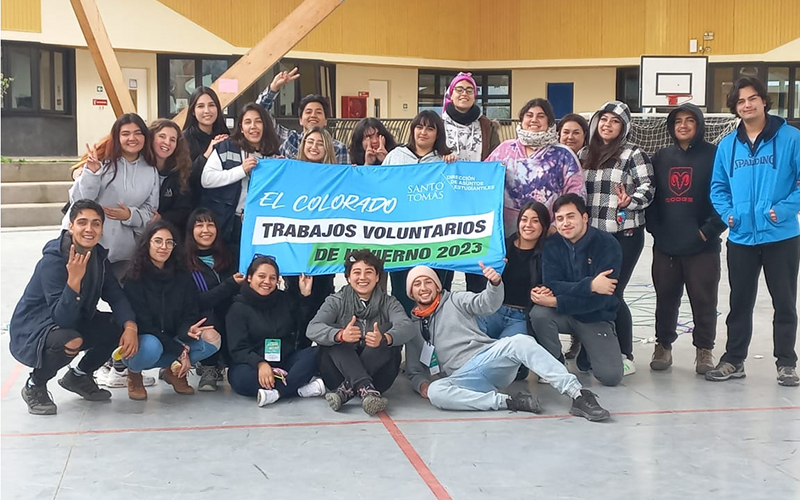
{"type": "Point", "coordinates": [424, 313]}
{"type": "Point", "coordinates": [363, 310]}
{"type": "Point", "coordinates": [537, 140]}
{"type": "Point", "coordinates": [465, 139]}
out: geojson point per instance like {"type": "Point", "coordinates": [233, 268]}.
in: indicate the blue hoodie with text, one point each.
{"type": "Point", "coordinates": [750, 179]}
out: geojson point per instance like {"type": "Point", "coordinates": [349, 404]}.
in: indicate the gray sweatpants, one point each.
{"type": "Point", "coordinates": [599, 339]}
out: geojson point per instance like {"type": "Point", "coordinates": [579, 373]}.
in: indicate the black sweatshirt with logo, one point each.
{"type": "Point", "coordinates": [682, 208]}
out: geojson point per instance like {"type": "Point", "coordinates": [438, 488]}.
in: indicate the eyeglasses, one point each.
{"type": "Point", "coordinates": [464, 90]}
{"type": "Point", "coordinates": [160, 242]}
{"type": "Point", "coordinates": [425, 329]}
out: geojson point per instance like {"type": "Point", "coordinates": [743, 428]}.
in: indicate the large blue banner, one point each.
{"type": "Point", "coordinates": [310, 216]}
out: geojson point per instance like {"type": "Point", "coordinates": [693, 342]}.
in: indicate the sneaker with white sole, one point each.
{"type": "Point", "coordinates": [117, 379]}
{"type": "Point", "coordinates": [725, 371]}
{"type": "Point", "coordinates": [101, 374]}
{"type": "Point", "coordinates": [628, 368]}
{"type": "Point", "coordinates": [787, 376]}
{"type": "Point", "coordinates": [313, 389]}
{"type": "Point", "coordinates": [267, 396]}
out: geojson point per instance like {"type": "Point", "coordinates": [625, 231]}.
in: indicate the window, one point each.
{"type": "Point", "coordinates": [781, 80]}
{"type": "Point", "coordinates": [493, 94]}
{"type": "Point", "coordinates": [39, 77]}
{"type": "Point", "coordinates": [628, 87]}
{"type": "Point", "coordinates": [178, 76]}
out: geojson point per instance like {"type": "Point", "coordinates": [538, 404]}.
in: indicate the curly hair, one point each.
{"type": "Point", "coordinates": [365, 256]}
{"type": "Point", "coordinates": [180, 158]}
{"type": "Point", "coordinates": [141, 254]}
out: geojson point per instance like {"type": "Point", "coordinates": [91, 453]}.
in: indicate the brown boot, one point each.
{"type": "Point", "coordinates": [136, 390]}
{"type": "Point", "coordinates": [180, 385]}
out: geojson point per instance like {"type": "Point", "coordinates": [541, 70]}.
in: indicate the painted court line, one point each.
{"type": "Point", "coordinates": [396, 421]}
{"type": "Point", "coordinates": [12, 379]}
{"type": "Point", "coordinates": [416, 461]}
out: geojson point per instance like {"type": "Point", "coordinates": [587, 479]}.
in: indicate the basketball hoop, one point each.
{"type": "Point", "coordinates": [672, 99]}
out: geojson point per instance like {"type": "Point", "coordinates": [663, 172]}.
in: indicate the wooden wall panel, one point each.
{"type": "Point", "coordinates": [21, 15]}
{"type": "Point", "coordinates": [508, 29]}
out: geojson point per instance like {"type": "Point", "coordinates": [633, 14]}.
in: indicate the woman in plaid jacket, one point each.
{"type": "Point", "coordinates": [619, 186]}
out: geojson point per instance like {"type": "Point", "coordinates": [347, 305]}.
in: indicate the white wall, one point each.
{"type": "Point", "coordinates": [352, 79]}
{"type": "Point", "coordinates": [593, 86]}
{"type": "Point", "coordinates": [94, 122]}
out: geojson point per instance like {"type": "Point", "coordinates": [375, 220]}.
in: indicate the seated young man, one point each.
{"type": "Point", "coordinates": [360, 331]}
{"type": "Point", "coordinates": [475, 366]}
{"type": "Point", "coordinates": [580, 266]}
{"type": "Point", "coordinates": [56, 317]}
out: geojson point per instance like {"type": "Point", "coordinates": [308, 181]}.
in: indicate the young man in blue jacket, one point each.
{"type": "Point", "coordinates": [754, 189]}
{"type": "Point", "coordinates": [56, 317]}
{"type": "Point", "coordinates": [580, 266]}
{"type": "Point", "coordinates": [686, 243]}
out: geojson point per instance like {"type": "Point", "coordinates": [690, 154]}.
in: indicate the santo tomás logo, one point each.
{"type": "Point", "coordinates": [680, 182]}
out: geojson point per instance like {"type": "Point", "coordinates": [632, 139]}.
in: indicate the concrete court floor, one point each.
{"type": "Point", "coordinates": [672, 434]}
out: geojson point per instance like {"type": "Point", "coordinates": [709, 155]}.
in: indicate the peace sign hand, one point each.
{"type": "Point", "coordinates": [282, 78]}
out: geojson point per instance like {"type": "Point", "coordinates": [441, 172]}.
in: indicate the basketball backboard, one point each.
{"type": "Point", "coordinates": [662, 78]}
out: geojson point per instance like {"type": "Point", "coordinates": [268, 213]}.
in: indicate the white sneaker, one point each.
{"type": "Point", "coordinates": [313, 389]}
{"type": "Point", "coordinates": [628, 368]}
{"type": "Point", "coordinates": [543, 380]}
{"type": "Point", "coordinates": [267, 396]}
{"type": "Point", "coordinates": [116, 379]}
{"type": "Point", "coordinates": [101, 375]}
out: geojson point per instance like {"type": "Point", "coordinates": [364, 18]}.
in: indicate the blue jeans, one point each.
{"type": "Point", "coordinates": [151, 353]}
{"type": "Point", "coordinates": [474, 385]}
{"type": "Point", "coordinates": [507, 321]}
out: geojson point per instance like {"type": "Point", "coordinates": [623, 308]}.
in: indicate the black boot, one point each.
{"type": "Point", "coordinates": [340, 396]}
{"type": "Point", "coordinates": [371, 400]}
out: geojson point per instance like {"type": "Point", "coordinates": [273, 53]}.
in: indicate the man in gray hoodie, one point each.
{"type": "Point", "coordinates": [473, 365]}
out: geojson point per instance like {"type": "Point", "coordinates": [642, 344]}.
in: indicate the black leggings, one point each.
{"type": "Point", "coordinates": [100, 337]}
{"type": "Point", "coordinates": [632, 243]}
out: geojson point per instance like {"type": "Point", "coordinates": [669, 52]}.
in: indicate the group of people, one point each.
{"type": "Point", "coordinates": [155, 218]}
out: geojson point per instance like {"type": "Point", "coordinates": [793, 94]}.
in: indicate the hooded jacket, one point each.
{"type": "Point", "coordinates": [749, 180]}
{"type": "Point", "coordinates": [166, 305]}
{"type": "Point", "coordinates": [631, 168]}
{"type": "Point", "coordinates": [135, 185]}
{"type": "Point", "coordinates": [402, 155]}
{"type": "Point", "coordinates": [253, 318]}
{"type": "Point", "coordinates": [48, 302]}
{"type": "Point", "coordinates": [682, 208]}
{"type": "Point", "coordinates": [454, 331]}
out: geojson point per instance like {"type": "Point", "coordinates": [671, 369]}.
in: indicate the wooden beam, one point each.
{"type": "Point", "coordinates": [105, 60]}
{"type": "Point", "coordinates": [270, 49]}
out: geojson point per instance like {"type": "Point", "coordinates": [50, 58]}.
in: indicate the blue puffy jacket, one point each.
{"type": "Point", "coordinates": [749, 181]}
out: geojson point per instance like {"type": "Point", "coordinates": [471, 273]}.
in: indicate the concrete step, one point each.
{"type": "Point", "coordinates": [31, 214]}
{"type": "Point", "coordinates": [35, 192]}
{"type": "Point", "coordinates": [35, 171]}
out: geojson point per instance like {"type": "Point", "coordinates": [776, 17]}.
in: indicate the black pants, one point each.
{"type": "Point", "coordinates": [301, 365]}
{"type": "Point", "coordinates": [700, 273]}
{"type": "Point", "coordinates": [100, 337]}
{"type": "Point", "coordinates": [359, 366]}
{"type": "Point", "coordinates": [632, 243]}
{"type": "Point", "coordinates": [398, 279]}
{"type": "Point", "coordinates": [780, 261]}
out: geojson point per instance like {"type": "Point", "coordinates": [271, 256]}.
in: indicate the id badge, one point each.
{"type": "Point", "coordinates": [428, 358]}
{"type": "Point", "coordinates": [272, 350]}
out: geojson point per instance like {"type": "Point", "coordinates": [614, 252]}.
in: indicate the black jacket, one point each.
{"type": "Point", "coordinates": [682, 207]}
{"type": "Point", "coordinates": [166, 305]}
{"type": "Point", "coordinates": [175, 205]}
{"type": "Point", "coordinates": [568, 270]}
{"type": "Point", "coordinates": [198, 142]}
{"type": "Point", "coordinates": [535, 263]}
{"type": "Point", "coordinates": [48, 302]}
{"type": "Point", "coordinates": [216, 292]}
{"type": "Point", "coordinates": [254, 318]}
